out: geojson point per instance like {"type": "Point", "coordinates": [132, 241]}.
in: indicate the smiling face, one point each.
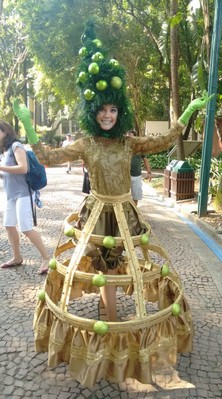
{"type": "Point", "coordinates": [107, 116]}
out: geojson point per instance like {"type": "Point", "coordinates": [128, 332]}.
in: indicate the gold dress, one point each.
{"type": "Point", "coordinates": [151, 337]}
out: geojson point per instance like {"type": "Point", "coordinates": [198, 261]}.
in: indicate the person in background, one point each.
{"type": "Point", "coordinates": [86, 181]}
{"type": "Point", "coordinates": [137, 162]}
{"type": "Point", "coordinates": [18, 208]}
{"type": "Point", "coordinates": [65, 143]}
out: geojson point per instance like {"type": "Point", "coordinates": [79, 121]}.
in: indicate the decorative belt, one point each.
{"type": "Point", "coordinates": [111, 199]}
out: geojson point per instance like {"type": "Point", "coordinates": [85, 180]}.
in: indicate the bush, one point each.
{"type": "Point", "coordinates": [158, 161]}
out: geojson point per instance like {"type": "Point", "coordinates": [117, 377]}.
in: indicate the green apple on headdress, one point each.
{"type": "Point", "coordinates": [101, 80]}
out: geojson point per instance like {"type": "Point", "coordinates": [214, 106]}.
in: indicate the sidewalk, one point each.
{"type": "Point", "coordinates": [24, 374]}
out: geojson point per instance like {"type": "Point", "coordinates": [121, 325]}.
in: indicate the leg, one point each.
{"type": "Point", "coordinates": [25, 223]}
{"type": "Point", "coordinates": [35, 239]}
{"type": "Point", "coordinates": [10, 221]}
{"type": "Point", "coordinates": [13, 238]}
{"type": "Point", "coordinates": [136, 188]}
{"type": "Point", "coordinates": [68, 167]}
{"type": "Point", "coordinates": [108, 294]}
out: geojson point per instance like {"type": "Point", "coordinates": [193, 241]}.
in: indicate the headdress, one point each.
{"type": "Point", "coordinates": [100, 81]}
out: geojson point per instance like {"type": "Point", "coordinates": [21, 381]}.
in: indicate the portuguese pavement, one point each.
{"type": "Point", "coordinates": [24, 374]}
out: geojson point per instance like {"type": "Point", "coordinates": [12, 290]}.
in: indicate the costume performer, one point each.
{"type": "Point", "coordinates": [108, 244]}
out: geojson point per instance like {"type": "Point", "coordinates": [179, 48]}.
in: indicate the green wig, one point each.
{"type": "Point", "coordinates": [101, 81]}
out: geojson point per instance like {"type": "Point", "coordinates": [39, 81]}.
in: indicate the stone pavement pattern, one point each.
{"type": "Point", "coordinates": [24, 374]}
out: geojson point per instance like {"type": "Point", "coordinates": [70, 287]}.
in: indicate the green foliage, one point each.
{"type": "Point", "coordinates": [218, 195]}
{"type": "Point", "coordinates": [50, 138]}
{"type": "Point", "coordinates": [158, 161]}
{"type": "Point", "coordinates": [13, 59]}
{"type": "Point", "coordinates": [215, 176]}
{"type": "Point", "coordinates": [136, 33]}
{"type": "Point", "coordinates": [195, 161]}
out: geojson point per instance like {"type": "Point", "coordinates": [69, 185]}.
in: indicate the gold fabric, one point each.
{"type": "Point", "coordinates": [115, 356]}
{"type": "Point", "coordinates": [107, 160]}
{"type": "Point", "coordinates": [147, 341]}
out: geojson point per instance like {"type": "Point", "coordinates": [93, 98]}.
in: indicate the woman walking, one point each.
{"type": "Point", "coordinates": [18, 209]}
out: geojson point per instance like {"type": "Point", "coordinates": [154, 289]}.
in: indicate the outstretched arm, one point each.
{"type": "Point", "coordinates": [45, 155]}
{"type": "Point", "coordinates": [157, 143]}
{"type": "Point", "coordinates": [195, 105]}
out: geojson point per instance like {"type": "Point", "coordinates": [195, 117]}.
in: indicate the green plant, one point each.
{"type": "Point", "coordinates": [195, 162]}
{"type": "Point", "coordinates": [50, 138]}
{"type": "Point", "coordinates": [158, 161]}
{"type": "Point", "coordinates": [218, 196]}
{"type": "Point", "coordinates": [215, 188]}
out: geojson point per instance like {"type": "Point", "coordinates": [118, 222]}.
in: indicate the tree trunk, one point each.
{"type": "Point", "coordinates": [206, 19]}
{"type": "Point", "coordinates": [174, 52]}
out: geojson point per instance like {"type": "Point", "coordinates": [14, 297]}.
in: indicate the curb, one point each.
{"type": "Point", "coordinates": [216, 244]}
{"type": "Point", "coordinates": [190, 215]}
{"type": "Point", "coordinates": [203, 225]}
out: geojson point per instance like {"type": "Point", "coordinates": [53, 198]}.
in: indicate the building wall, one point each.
{"type": "Point", "coordinates": [153, 127]}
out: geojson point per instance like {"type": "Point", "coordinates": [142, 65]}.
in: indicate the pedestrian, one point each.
{"type": "Point", "coordinates": [108, 222]}
{"type": "Point", "coordinates": [18, 209]}
{"type": "Point", "coordinates": [137, 163]}
{"type": "Point", "coordinates": [86, 181]}
{"type": "Point", "coordinates": [65, 143]}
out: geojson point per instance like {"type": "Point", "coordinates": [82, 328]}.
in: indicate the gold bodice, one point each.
{"type": "Point", "coordinates": [108, 160]}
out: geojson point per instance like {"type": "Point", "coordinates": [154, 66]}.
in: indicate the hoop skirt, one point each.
{"type": "Point", "coordinates": [154, 321]}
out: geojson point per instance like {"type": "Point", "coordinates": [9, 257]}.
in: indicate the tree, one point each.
{"type": "Point", "coordinates": [174, 51]}
{"type": "Point", "coordinates": [136, 32]}
{"type": "Point", "coordinates": [13, 60]}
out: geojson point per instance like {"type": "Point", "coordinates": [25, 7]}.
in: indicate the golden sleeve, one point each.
{"type": "Point", "coordinates": [156, 143]}
{"type": "Point", "coordinates": [48, 156]}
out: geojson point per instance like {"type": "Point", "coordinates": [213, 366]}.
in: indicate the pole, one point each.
{"type": "Point", "coordinates": [210, 111]}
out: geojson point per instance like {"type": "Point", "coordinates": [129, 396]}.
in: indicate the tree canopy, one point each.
{"type": "Point", "coordinates": [40, 43]}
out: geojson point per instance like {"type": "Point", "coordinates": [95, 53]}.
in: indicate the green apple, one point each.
{"type": "Point", "coordinates": [69, 231]}
{"type": "Point", "coordinates": [52, 264]}
{"type": "Point", "coordinates": [83, 51]}
{"type": "Point", "coordinates": [116, 82]}
{"type": "Point", "coordinates": [41, 295]}
{"type": "Point", "coordinates": [97, 56]}
{"type": "Point", "coordinates": [109, 242]}
{"type": "Point", "coordinates": [100, 327]}
{"type": "Point", "coordinates": [113, 63]}
{"type": "Point", "coordinates": [83, 76]}
{"type": "Point", "coordinates": [97, 43]}
{"type": "Point", "coordinates": [99, 280]}
{"type": "Point", "coordinates": [93, 68]}
{"type": "Point", "coordinates": [176, 309]}
{"type": "Point", "coordinates": [144, 239]}
{"type": "Point", "coordinates": [165, 270]}
{"type": "Point", "coordinates": [89, 94]}
{"type": "Point", "coordinates": [101, 85]}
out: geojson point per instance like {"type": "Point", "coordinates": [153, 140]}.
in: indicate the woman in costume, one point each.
{"type": "Point", "coordinates": [107, 224]}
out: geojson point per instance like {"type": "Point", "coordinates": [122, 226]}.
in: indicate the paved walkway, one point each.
{"type": "Point", "coordinates": [24, 374]}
